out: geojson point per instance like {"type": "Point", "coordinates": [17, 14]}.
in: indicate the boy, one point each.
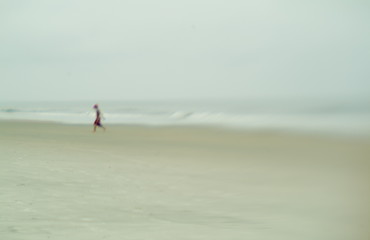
{"type": "Point", "coordinates": [97, 122]}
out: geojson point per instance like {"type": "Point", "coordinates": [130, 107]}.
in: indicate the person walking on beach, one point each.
{"type": "Point", "coordinates": [97, 122]}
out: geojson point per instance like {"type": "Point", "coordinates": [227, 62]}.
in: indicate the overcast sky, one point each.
{"type": "Point", "coordinates": [183, 49]}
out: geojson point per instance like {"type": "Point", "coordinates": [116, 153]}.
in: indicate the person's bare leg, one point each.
{"type": "Point", "coordinates": [94, 128]}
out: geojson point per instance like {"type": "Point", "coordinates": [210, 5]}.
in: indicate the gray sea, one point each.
{"type": "Point", "coordinates": [350, 117]}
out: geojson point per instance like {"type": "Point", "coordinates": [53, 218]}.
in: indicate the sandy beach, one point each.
{"type": "Point", "coordinates": [133, 182]}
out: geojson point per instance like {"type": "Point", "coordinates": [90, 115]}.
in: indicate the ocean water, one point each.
{"type": "Point", "coordinates": [331, 116]}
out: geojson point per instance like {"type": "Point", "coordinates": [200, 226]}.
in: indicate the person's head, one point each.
{"type": "Point", "coordinates": [95, 106]}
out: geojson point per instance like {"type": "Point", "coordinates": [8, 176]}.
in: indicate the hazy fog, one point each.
{"type": "Point", "coordinates": [170, 49]}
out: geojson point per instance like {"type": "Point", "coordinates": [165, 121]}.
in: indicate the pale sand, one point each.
{"type": "Point", "coordinates": [64, 182]}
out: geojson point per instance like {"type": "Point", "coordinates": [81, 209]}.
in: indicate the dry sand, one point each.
{"type": "Point", "coordinates": [131, 182]}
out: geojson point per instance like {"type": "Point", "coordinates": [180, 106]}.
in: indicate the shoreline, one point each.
{"type": "Point", "coordinates": [288, 132]}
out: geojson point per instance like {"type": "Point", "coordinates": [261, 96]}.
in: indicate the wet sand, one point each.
{"type": "Point", "coordinates": [133, 182]}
